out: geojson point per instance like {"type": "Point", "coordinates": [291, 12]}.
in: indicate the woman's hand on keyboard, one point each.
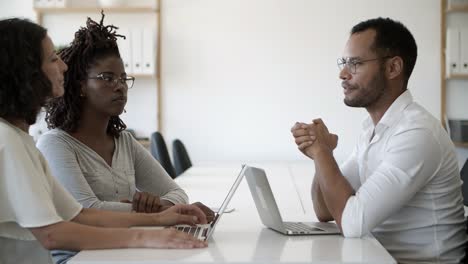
{"type": "Point", "coordinates": [181, 214]}
{"type": "Point", "coordinates": [208, 212]}
{"type": "Point", "coordinates": [171, 238]}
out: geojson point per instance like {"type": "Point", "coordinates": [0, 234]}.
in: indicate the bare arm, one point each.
{"type": "Point", "coordinates": [177, 214]}
{"type": "Point", "coordinates": [101, 218]}
{"type": "Point", "coordinates": [330, 190]}
{"type": "Point", "coordinates": [85, 230]}
{"type": "Point", "coordinates": [336, 189]}
{"type": "Point", "coordinates": [74, 236]}
{"type": "Point", "coordinates": [304, 138]}
{"type": "Point", "coordinates": [320, 208]}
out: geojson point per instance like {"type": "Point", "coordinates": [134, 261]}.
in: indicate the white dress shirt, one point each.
{"type": "Point", "coordinates": [408, 188]}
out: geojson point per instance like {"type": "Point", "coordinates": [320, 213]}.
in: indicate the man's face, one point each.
{"type": "Point", "coordinates": [363, 79]}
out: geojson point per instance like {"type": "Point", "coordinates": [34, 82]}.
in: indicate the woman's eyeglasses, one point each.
{"type": "Point", "coordinates": [111, 80]}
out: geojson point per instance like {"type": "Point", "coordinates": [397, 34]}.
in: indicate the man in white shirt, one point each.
{"type": "Point", "coordinates": [402, 182]}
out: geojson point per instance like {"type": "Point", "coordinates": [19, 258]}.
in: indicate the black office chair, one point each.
{"type": "Point", "coordinates": [159, 151]}
{"type": "Point", "coordinates": [464, 177]}
{"type": "Point", "coordinates": [180, 156]}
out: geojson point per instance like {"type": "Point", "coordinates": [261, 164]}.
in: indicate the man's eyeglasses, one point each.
{"type": "Point", "coordinates": [352, 63]}
{"type": "Point", "coordinates": [111, 80]}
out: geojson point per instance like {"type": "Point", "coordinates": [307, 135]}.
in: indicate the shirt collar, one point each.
{"type": "Point", "coordinates": [17, 129]}
{"type": "Point", "coordinates": [393, 113]}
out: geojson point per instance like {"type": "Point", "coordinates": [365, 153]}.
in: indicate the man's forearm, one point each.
{"type": "Point", "coordinates": [335, 188]}
{"type": "Point", "coordinates": [320, 208]}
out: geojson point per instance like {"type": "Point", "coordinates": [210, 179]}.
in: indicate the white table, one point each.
{"type": "Point", "coordinates": [240, 237]}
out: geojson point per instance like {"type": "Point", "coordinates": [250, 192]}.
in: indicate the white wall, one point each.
{"type": "Point", "coordinates": [237, 74]}
{"type": "Point", "coordinates": [18, 8]}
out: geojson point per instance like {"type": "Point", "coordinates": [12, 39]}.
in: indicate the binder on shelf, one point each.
{"type": "Point", "coordinates": [149, 51]}
{"type": "Point", "coordinates": [136, 50]}
{"type": "Point", "coordinates": [464, 51]}
{"type": "Point", "coordinates": [39, 3]}
{"type": "Point", "coordinates": [453, 51]}
{"type": "Point", "coordinates": [49, 3]}
{"type": "Point", "coordinates": [60, 3]}
{"type": "Point", "coordinates": [126, 50]}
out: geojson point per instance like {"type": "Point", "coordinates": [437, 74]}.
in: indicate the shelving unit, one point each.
{"type": "Point", "coordinates": [461, 144]}
{"type": "Point", "coordinates": [41, 12]}
{"type": "Point", "coordinates": [446, 12]}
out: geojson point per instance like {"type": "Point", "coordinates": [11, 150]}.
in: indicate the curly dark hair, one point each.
{"type": "Point", "coordinates": [24, 87]}
{"type": "Point", "coordinates": [392, 39]}
{"type": "Point", "coordinates": [91, 43]}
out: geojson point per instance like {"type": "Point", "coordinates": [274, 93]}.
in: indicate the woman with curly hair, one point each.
{"type": "Point", "coordinates": [37, 213]}
{"type": "Point", "coordinates": [89, 152]}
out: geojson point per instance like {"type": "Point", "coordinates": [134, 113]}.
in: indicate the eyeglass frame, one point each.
{"type": "Point", "coordinates": [113, 83]}
{"type": "Point", "coordinates": [345, 62]}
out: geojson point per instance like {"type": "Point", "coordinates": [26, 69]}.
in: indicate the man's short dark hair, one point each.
{"type": "Point", "coordinates": [24, 87]}
{"type": "Point", "coordinates": [392, 39]}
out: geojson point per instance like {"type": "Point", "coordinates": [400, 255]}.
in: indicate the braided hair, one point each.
{"type": "Point", "coordinates": [91, 43]}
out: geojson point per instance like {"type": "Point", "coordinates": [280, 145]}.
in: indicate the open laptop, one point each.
{"type": "Point", "coordinates": [269, 212]}
{"type": "Point", "coordinates": [204, 232]}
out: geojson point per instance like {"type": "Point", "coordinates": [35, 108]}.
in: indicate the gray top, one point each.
{"type": "Point", "coordinates": [95, 184]}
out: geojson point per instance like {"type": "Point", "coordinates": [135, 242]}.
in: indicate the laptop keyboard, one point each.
{"type": "Point", "coordinates": [300, 228]}
{"type": "Point", "coordinates": [196, 231]}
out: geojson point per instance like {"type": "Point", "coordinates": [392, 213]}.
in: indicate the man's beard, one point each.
{"type": "Point", "coordinates": [370, 94]}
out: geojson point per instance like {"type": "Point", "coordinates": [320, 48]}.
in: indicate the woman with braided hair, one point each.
{"type": "Point", "coordinates": [89, 152]}
{"type": "Point", "coordinates": [37, 213]}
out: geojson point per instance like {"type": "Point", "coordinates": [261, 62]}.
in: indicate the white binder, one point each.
{"type": "Point", "coordinates": [39, 3]}
{"type": "Point", "coordinates": [464, 51]}
{"type": "Point", "coordinates": [49, 3]}
{"type": "Point", "coordinates": [60, 3]}
{"type": "Point", "coordinates": [137, 50]}
{"type": "Point", "coordinates": [149, 51]}
{"type": "Point", "coordinates": [453, 51]}
{"type": "Point", "coordinates": [125, 50]}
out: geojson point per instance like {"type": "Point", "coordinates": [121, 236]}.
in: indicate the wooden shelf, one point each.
{"type": "Point", "coordinates": [456, 9]}
{"type": "Point", "coordinates": [458, 77]}
{"type": "Point", "coordinates": [461, 144]}
{"type": "Point", "coordinates": [96, 10]}
{"type": "Point", "coordinates": [144, 76]}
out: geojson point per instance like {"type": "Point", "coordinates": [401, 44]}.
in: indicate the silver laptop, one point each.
{"type": "Point", "coordinates": [204, 232]}
{"type": "Point", "coordinates": [269, 212]}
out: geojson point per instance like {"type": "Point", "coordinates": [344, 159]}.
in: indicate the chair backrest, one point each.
{"type": "Point", "coordinates": [159, 151]}
{"type": "Point", "coordinates": [464, 177]}
{"type": "Point", "coordinates": [180, 156]}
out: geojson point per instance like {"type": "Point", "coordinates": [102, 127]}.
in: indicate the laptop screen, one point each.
{"type": "Point", "coordinates": [227, 199]}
